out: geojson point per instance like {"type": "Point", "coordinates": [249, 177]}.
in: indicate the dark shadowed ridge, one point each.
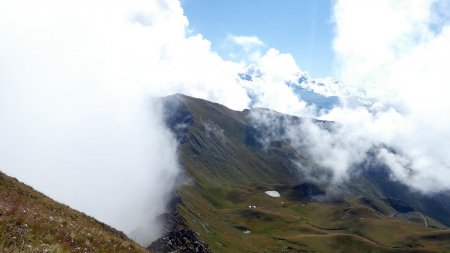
{"type": "Point", "coordinates": [228, 169]}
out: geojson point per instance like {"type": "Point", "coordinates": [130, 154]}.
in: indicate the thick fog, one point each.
{"type": "Point", "coordinates": [77, 118]}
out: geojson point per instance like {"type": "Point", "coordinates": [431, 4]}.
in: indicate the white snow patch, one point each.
{"type": "Point", "coordinates": [274, 194]}
{"type": "Point", "coordinates": [246, 232]}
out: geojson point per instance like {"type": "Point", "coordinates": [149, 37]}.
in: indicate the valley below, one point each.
{"type": "Point", "coordinates": [228, 168]}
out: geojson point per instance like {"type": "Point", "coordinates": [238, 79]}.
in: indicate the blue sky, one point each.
{"type": "Point", "coordinates": [300, 27]}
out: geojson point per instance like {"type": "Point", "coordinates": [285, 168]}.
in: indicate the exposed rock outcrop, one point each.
{"type": "Point", "coordinates": [180, 238]}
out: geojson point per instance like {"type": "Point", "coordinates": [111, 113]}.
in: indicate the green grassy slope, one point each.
{"type": "Point", "coordinates": [32, 222]}
{"type": "Point", "coordinates": [229, 172]}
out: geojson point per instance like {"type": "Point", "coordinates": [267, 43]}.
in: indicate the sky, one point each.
{"type": "Point", "coordinates": [78, 80]}
{"type": "Point", "coordinates": [301, 28]}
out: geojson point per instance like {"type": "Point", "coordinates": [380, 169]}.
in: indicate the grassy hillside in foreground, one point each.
{"type": "Point", "coordinates": [32, 222]}
{"type": "Point", "coordinates": [230, 171]}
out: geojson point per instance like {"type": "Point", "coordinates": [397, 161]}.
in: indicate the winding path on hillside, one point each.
{"type": "Point", "coordinates": [424, 220]}
{"type": "Point", "coordinates": [393, 214]}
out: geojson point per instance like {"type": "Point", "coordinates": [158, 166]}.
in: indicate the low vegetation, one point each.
{"type": "Point", "coordinates": [225, 203]}
{"type": "Point", "coordinates": [32, 222]}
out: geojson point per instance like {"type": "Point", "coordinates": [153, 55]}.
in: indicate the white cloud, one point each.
{"type": "Point", "coordinates": [247, 42]}
{"type": "Point", "coordinates": [279, 66]}
{"type": "Point", "coordinates": [75, 83]}
{"type": "Point", "coordinates": [393, 60]}
{"type": "Point", "coordinates": [389, 53]}
{"type": "Point", "coordinates": [243, 48]}
{"type": "Point", "coordinates": [272, 71]}
{"type": "Point", "coordinates": [330, 148]}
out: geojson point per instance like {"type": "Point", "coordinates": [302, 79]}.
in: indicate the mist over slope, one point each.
{"type": "Point", "coordinates": [232, 159]}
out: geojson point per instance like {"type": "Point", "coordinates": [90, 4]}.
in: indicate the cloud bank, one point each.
{"type": "Point", "coordinates": [76, 118]}
{"type": "Point", "coordinates": [77, 121]}
{"type": "Point", "coordinates": [394, 56]}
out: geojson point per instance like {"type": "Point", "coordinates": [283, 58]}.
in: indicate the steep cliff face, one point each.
{"type": "Point", "coordinates": [231, 161]}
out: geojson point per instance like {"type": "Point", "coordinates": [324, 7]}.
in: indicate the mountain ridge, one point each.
{"type": "Point", "coordinates": [230, 168]}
